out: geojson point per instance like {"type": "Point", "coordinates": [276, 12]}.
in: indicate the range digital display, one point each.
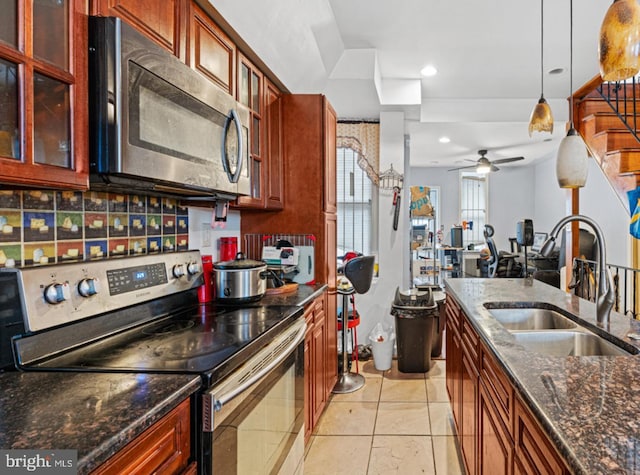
{"type": "Point", "coordinates": [136, 278]}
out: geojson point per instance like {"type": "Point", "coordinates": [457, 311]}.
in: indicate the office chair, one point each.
{"type": "Point", "coordinates": [501, 264]}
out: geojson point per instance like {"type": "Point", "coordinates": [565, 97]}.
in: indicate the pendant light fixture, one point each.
{"type": "Point", "coordinates": [619, 44]}
{"type": "Point", "coordinates": [571, 164]}
{"type": "Point", "coordinates": [541, 117]}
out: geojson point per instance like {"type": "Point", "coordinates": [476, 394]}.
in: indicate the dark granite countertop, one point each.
{"type": "Point", "coordinates": [96, 414]}
{"type": "Point", "coordinates": [304, 295]}
{"type": "Point", "coordinates": [588, 405]}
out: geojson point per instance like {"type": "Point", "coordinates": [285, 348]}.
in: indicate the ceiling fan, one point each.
{"type": "Point", "coordinates": [484, 165]}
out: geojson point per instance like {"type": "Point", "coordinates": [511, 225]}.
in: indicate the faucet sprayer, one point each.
{"type": "Point", "coordinates": [604, 290]}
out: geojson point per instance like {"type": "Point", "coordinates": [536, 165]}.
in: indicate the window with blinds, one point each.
{"type": "Point", "coordinates": [355, 205]}
{"type": "Point", "coordinates": [474, 201]}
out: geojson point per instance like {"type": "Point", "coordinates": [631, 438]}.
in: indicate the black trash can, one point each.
{"type": "Point", "coordinates": [438, 329]}
{"type": "Point", "coordinates": [415, 316]}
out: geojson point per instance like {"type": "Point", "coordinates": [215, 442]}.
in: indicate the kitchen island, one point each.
{"type": "Point", "coordinates": [586, 406]}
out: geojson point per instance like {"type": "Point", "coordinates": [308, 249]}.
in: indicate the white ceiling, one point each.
{"type": "Point", "coordinates": [366, 56]}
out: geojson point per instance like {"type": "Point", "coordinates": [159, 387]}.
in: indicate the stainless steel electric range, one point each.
{"type": "Point", "coordinates": [141, 314]}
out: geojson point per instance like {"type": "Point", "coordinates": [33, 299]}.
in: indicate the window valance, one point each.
{"type": "Point", "coordinates": [364, 138]}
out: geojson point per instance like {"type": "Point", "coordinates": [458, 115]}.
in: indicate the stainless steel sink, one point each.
{"type": "Point", "coordinates": [516, 319]}
{"type": "Point", "coordinates": [568, 343]}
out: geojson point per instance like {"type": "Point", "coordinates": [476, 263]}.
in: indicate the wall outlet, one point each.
{"type": "Point", "coordinates": [206, 234]}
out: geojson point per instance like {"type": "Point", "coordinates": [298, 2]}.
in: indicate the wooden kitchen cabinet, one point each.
{"type": "Point", "coordinates": [468, 426]}
{"type": "Point", "coordinates": [316, 388]}
{"type": "Point", "coordinates": [274, 167]}
{"type": "Point", "coordinates": [163, 22]}
{"type": "Point", "coordinates": [496, 432]}
{"type": "Point", "coordinates": [453, 355]}
{"type": "Point", "coordinates": [43, 94]}
{"type": "Point", "coordinates": [307, 166]}
{"type": "Point", "coordinates": [496, 446]}
{"type": "Point", "coordinates": [250, 94]}
{"type": "Point", "coordinates": [533, 451]}
{"type": "Point", "coordinates": [210, 50]}
{"type": "Point", "coordinates": [165, 447]}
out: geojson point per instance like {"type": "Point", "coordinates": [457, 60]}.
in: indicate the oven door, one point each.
{"type": "Point", "coordinates": [253, 422]}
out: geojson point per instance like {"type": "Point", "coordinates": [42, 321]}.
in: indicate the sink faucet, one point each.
{"type": "Point", "coordinates": [604, 291]}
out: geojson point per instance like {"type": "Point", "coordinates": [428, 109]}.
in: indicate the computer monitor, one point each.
{"type": "Point", "coordinates": [538, 241]}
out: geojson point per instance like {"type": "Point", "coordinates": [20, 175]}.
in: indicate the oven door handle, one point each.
{"type": "Point", "coordinates": [221, 400]}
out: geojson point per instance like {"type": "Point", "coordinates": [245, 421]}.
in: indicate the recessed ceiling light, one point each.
{"type": "Point", "coordinates": [556, 71]}
{"type": "Point", "coordinates": [444, 140]}
{"type": "Point", "coordinates": [429, 71]}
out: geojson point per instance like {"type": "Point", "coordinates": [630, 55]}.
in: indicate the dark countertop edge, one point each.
{"type": "Point", "coordinates": [300, 298]}
{"type": "Point", "coordinates": [102, 453]}
{"type": "Point", "coordinates": [561, 445]}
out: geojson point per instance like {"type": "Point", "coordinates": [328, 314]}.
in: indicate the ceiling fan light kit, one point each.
{"type": "Point", "coordinates": [571, 164]}
{"type": "Point", "coordinates": [619, 43]}
{"type": "Point", "coordinates": [484, 165]}
{"type": "Point", "coordinates": [541, 117]}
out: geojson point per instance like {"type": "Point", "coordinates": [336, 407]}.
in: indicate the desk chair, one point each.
{"type": "Point", "coordinates": [359, 271]}
{"type": "Point", "coordinates": [501, 264]}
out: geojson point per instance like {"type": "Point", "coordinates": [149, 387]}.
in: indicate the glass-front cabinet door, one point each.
{"type": "Point", "coordinates": [250, 83]}
{"type": "Point", "coordinates": [43, 93]}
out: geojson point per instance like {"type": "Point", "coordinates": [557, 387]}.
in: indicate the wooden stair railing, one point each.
{"type": "Point", "coordinates": [608, 131]}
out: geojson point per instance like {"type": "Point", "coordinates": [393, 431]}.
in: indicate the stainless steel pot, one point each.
{"type": "Point", "coordinates": [240, 280]}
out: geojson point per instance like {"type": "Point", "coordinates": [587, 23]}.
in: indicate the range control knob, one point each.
{"type": "Point", "coordinates": [193, 268]}
{"type": "Point", "coordinates": [88, 287]}
{"type": "Point", "coordinates": [57, 293]}
{"type": "Point", "coordinates": [178, 271]}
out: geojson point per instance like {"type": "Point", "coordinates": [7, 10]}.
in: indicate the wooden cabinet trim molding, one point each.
{"type": "Point", "coordinates": [532, 448]}
{"type": "Point", "coordinates": [211, 51]}
{"type": "Point", "coordinates": [498, 387]}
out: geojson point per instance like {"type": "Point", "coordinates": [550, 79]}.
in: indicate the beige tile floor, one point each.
{"type": "Point", "coordinates": [397, 423]}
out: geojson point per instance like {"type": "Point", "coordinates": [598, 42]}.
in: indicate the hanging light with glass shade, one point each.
{"type": "Point", "coordinates": [541, 117]}
{"type": "Point", "coordinates": [571, 164]}
{"type": "Point", "coordinates": [619, 44]}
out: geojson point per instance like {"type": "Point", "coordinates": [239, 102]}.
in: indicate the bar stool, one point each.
{"type": "Point", "coordinates": [359, 271]}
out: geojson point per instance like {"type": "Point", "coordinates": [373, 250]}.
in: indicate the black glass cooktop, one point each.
{"type": "Point", "coordinates": [206, 340]}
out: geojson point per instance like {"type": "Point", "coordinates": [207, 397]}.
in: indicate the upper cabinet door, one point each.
{"type": "Point", "coordinates": [43, 94]}
{"type": "Point", "coordinates": [274, 154]}
{"type": "Point", "coordinates": [211, 51]}
{"type": "Point", "coordinates": [330, 165]}
{"type": "Point", "coordinates": [250, 87]}
{"type": "Point", "coordinates": [160, 21]}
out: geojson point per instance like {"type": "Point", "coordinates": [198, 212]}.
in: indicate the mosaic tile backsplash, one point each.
{"type": "Point", "coordinates": [47, 227]}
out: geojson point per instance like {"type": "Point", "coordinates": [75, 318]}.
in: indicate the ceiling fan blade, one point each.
{"type": "Point", "coordinates": [494, 168]}
{"type": "Point", "coordinates": [461, 168]}
{"type": "Point", "coordinates": [507, 160]}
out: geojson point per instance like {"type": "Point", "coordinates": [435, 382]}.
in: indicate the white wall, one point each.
{"type": "Point", "coordinates": [205, 238]}
{"type": "Point", "coordinates": [510, 198]}
{"type": "Point", "coordinates": [375, 305]}
{"type": "Point", "coordinates": [597, 201]}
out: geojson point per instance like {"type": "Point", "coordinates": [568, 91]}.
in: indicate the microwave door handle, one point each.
{"type": "Point", "coordinates": [235, 176]}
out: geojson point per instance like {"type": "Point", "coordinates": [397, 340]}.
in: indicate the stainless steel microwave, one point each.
{"type": "Point", "coordinates": [156, 125]}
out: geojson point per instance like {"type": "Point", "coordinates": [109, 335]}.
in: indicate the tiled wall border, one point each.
{"type": "Point", "coordinates": [40, 227]}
